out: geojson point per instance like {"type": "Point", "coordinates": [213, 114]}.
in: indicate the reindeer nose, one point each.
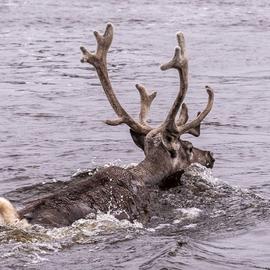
{"type": "Point", "coordinates": [210, 159]}
{"type": "Point", "coordinates": [211, 155]}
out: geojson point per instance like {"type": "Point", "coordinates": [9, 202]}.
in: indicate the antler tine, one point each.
{"type": "Point", "coordinates": [103, 44]}
{"type": "Point", "coordinates": [193, 125]}
{"type": "Point", "coordinates": [99, 61]}
{"type": "Point", "coordinates": [183, 118]}
{"type": "Point", "coordinates": [146, 101]}
{"type": "Point", "coordinates": [104, 41]}
{"type": "Point", "coordinates": [179, 62]}
{"type": "Point", "coordinates": [195, 131]}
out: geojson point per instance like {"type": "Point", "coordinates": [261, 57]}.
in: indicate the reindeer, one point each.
{"type": "Point", "coordinates": [128, 193]}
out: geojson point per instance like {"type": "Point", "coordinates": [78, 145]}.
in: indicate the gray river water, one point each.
{"type": "Point", "coordinates": [52, 107]}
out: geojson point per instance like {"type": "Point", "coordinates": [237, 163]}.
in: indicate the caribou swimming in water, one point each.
{"type": "Point", "coordinates": [127, 193]}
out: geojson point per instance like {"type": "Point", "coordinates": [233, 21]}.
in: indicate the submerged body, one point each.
{"type": "Point", "coordinates": [125, 193]}
{"type": "Point", "coordinates": [111, 189]}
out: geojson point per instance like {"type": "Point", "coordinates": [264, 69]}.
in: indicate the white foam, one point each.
{"type": "Point", "coordinates": [104, 222]}
{"type": "Point", "coordinates": [190, 226]}
{"type": "Point", "coordinates": [189, 213]}
{"type": "Point", "coordinates": [197, 169]}
{"type": "Point", "coordinates": [162, 226]}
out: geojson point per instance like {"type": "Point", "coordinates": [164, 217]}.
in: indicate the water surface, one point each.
{"type": "Point", "coordinates": [52, 109]}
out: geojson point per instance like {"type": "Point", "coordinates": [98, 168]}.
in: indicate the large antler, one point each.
{"type": "Point", "coordinates": [179, 127]}
{"type": "Point", "coordinates": [99, 61]}
{"type": "Point", "coordinates": [170, 126]}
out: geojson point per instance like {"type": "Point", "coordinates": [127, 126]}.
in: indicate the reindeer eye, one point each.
{"type": "Point", "coordinates": [168, 138]}
{"type": "Point", "coordinates": [190, 148]}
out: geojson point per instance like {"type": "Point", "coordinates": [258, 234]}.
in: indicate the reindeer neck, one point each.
{"type": "Point", "coordinates": [150, 172]}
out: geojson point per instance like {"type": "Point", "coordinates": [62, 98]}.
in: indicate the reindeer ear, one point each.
{"type": "Point", "coordinates": [138, 138]}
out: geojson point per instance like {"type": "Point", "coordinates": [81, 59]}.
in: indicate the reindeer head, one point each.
{"type": "Point", "coordinates": [162, 144]}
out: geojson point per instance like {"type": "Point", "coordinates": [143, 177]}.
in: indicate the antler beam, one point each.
{"type": "Point", "coordinates": [99, 61]}
{"type": "Point", "coordinates": [179, 62]}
